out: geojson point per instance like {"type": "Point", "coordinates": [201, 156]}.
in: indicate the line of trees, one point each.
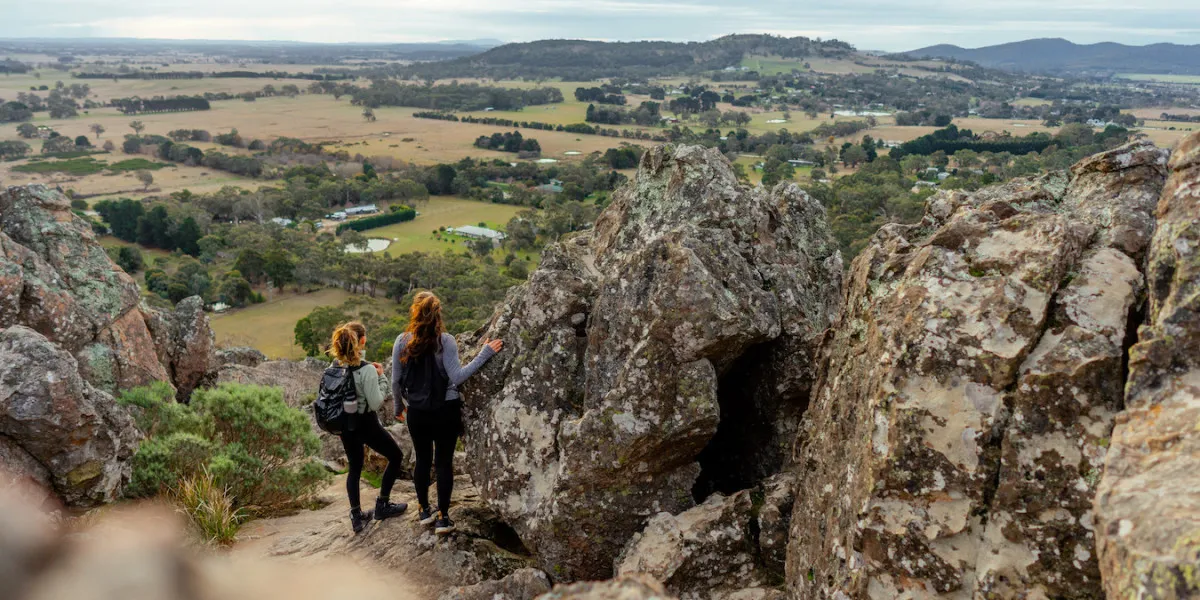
{"type": "Point", "coordinates": [509, 142]}
{"type": "Point", "coordinates": [453, 96]}
{"type": "Point", "coordinates": [135, 105]}
{"type": "Point", "coordinates": [582, 128]}
{"type": "Point", "coordinates": [129, 220]}
{"type": "Point", "coordinates": [951, 139]}
{"type": "Point", "coordinates": [398, 214]}
{"type": "Point", "coordinates": [600, 95]}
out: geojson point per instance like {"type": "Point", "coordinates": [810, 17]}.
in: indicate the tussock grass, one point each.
{"type": "Point", "coordinates": [209, 508]}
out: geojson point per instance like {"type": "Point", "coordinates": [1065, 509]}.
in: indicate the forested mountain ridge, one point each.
{"type": "Point", "coordinates": [1059, 55]}
{"type": "Point", "coordinates": [584, 59]}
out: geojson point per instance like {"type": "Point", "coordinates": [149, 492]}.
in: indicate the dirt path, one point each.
{"type": "Point", "coordinates": [324, 537]}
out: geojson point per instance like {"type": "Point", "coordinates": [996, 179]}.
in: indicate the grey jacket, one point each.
{"type": "Point", "coordinates": [447, 355]}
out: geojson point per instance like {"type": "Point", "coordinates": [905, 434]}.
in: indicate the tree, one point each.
{"type": "Point", "coordinates": [137, 127]}
{"type": "Point", "coordinates": [854, 155]}
{"type": "Point", "coordinates": [27, 130]}
{"type": "Point", "coordinates": [14, 149]}
{"type": "Point", "coordinates": [129, 258]}
{"type": "Point", "coordinates": [279, 267]}
{"type": "Point", "coordinates": [368, 113]}
{"type": "Point", "coordinates": [154, 229]}
{"type": "Point", "coordinates": [97, 129]}
{"type": "Point", "coordinates": [61, 143]}
{"type": "Point", "coordinates": [235, 290]}
{"type": "Point", "coordinates": [146, 178]}
{"type": "Point", "coordinates": [250, 264]}
{"type": "Point", "coordinates": [109, 146]}
{"type": "Point", "coordinates": [188, 236]}
{"type": "Point", "coordinates": [481, 247]}
{"type": "Point", "coordinates": [82, 142]}
{"type": "Point", "coordinates": [313, 332]}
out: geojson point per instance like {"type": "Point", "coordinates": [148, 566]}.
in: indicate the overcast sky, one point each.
{"type": "Point", "coordinates": [868, 24]}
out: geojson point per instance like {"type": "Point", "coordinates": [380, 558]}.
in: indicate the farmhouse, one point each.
{"type": "Point", "coordinates": [282, 222]}
{"type": "Point", "coordinates": [337, 216]}
{"type": "Point", "coordinates": [366, 209]}
{"type": "Point", "coordinates": [478, 233]}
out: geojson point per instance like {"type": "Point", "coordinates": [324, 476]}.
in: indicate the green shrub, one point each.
{"type": "Point", "coordinates": [256, 447]}
{"type": "Point", "coordinates": [397, 215]}
{"type": "Point", "coordinates": [162, 462]}
{"type": "Point", "coordinates": [156, 413]}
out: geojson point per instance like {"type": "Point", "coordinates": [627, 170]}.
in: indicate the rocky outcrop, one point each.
{"type": "Point", "coordinates": [685, 320]}
{"type": "Point", "coordinates": [60, 282]}
{"type": "Point", "coordinates": [241, 356]}
{"type": "Point", "coordinates": [967, 394]}
{"type": "Point", "coordinates": [719, 549]}
{"type": "Point", "coordinates": [56, 280]}
{"type": "Point", "coordinates": [55, 427]}
{"type": "Point", "coordinates": [633, 587]}
{"type": "Point", "coordinates": [1148, 506]}
{"type": "Point", "coordinates": [185, 345]}
{"type": "Point", "coordinates": [524, 584]}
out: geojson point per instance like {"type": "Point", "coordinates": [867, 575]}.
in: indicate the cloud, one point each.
{"type": "Point", "coordinates": [870, 24]}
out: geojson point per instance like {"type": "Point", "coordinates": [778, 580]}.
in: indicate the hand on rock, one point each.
{"type": "Point", "coordinates": [495, 345]}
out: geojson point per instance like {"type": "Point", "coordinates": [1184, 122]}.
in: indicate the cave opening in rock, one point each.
{"type": "Point", "coordinates": [762, 396]}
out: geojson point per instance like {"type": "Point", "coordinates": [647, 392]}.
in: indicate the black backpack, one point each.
{"type": "Point", "coordinates": [337, 388]}
{"type": "Point", "coordinates": [424, 383]}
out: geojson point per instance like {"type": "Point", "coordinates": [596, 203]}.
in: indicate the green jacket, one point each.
{"type": "Point", "coordinates": [372, 388]}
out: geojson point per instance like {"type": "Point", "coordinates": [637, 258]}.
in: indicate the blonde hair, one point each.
{"type": "Point", "coordinates": [344, 345]}
{"type": "Point", "coordinates": [425, 327]}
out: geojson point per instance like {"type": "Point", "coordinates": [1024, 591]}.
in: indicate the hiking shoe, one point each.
{"type": "Point", "coordinates": [387, 510]}
{"type": "Point", "coordinates": [359, 520]}
{"type": "Point", "coordinates": [443, 526]}
{"type": "Point", "coordinates": [426, 516]}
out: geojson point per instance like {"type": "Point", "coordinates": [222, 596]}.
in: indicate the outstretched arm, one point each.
{"type": "Point", "coordinates": [455, 371]}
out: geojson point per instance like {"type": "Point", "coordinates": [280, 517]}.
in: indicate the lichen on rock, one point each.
{"type": "Point", "coordinates": [617, 349]}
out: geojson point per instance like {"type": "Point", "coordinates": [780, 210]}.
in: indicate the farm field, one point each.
{"type": "Point", "coordinates": [442, 211]}
{"type": "Point", "coordinates": [105, 184]}
{"type": "Point", "coordinates": [1163, 78]}
{"type": "Point", "coordinates": [270, 326]}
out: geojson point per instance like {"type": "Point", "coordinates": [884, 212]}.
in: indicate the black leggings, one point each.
{"type": "Point", "coordinates": [368, 431]}
{"type": "Point", "coordinates": [435, 435]}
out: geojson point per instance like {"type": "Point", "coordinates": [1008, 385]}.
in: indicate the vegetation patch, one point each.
{"type": "Point", "coordinates": [72, 166]}
{"type": "Point", "coordinates": [136, 164]}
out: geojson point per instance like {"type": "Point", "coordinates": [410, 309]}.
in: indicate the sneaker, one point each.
{"type": "Point", "coordinates": [426, 516]}
{"type": "Point", "coordinates": [359, 520]}
{"type": "Point", "coordinates": [443, 526]}
{"type": "Point", "coordinates": [387, 510]}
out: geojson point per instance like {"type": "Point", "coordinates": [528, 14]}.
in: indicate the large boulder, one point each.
{"type": "Point", "coordinates": [523, 584]}
{"type": "Point", "coordinates": [1148, 506]}
{"type": "Point", "coordinates": [633, 587]}
{"type": "Point", "coordinates": [55, 427]}
{"type": "Point", "coordinates": [967, 394]}
{"type": "Point", "coordinates": [685, 320]}
{"type": "Point", "coordinates": [60, 282]}
{"type": "Point", "coordinates": [720, 549]}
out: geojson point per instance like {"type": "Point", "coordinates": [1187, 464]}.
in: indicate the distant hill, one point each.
{"type": "Point", "coordinates": [1059, 55]}
{"type": "Point", "coordinates": [581, 60]}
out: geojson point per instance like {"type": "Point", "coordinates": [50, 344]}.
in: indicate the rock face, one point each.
{"type": "Point", "coordinates": [967, 394]}
{"type": "Point", "coordinates": [55, 427]}
{"type": "Point", "coordinates": [61, 283]}
{"type": "Point", "coordinates": [185, 345]}
{"type": "Point", "coordinates": [524, 584]}
{"type": "Point", "coordinates": [722, 547]}
{"type": "Point", "coordinates": [56, 280]}
{"type": "Point", "coordinates": [1148, 506]}
{"type": "Point", "coordinates": [634, 587]}
{"type": "Point", "coordinates": [685, 320]}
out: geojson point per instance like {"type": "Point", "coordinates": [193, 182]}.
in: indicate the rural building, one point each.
{"type": "Point", "coordinates": [367, 209]}
{"type": "Point", "coordinates": [477, 233]}
{"type": "Point", "coordinates": [282, 222]}
{"type": "Point", "coordinates": [337, 216]}
{"type": "Point", "coordinates": [795, 162]}
{"type": "Point", "coordinates": [554, 187]}
{"type": "Point", "coordinates": [943, 176]}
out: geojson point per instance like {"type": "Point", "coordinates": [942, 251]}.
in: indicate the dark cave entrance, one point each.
{"type": "Point", "coordinates": [762, 396]}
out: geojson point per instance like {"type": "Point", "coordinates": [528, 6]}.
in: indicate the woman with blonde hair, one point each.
{"type": "Point", "coordinates": [427, 375]}
{"type": "Point", "coordinates": [371, 387]}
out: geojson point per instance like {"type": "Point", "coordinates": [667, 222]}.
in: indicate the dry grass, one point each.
{"type": "Point", "coordinates": [270, 326]}
{"type": "Point", "coordinates": [209, 508]}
